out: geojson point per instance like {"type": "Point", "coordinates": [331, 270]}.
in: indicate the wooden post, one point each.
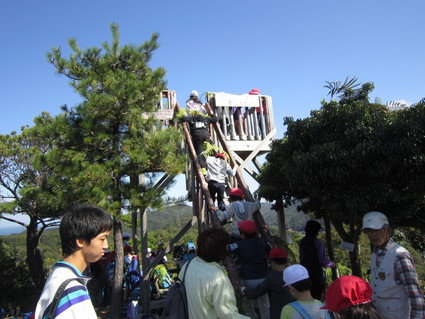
{"type": "Point", "coordinates": [281, 220]}
{"type": "Point", "coordinates": [146, 294]}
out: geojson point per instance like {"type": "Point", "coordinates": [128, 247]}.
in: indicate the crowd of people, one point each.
{"type": "Point", "coordinates": [395, 285]}
{"type": "Point", "coordinates": [279, 291]}
{"type": "Point", "coordinates": [298, 291]}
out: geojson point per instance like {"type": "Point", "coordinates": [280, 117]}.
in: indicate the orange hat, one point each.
{"type": "Point", "coordinates": [347, 291]}
{"type": "Point", "coordinates": [247, 226]}
{"type": "Point", "coordinates": [278, 252]}
{"type": "Point", "coordinates": [221, 155]}
{"type": "Point", "coordinates": [254, 92]}
{"type": "Point", "coordinates": [236, 192]}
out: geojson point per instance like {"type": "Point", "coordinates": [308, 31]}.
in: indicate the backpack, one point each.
{"type": "Point", "coordinates": [133, 275]}
{"type": "Point", "coordinates": [161, 273]}
{"type": "Point", "coordinates": [178, 252]}
{"type": "Point", "coordinates": [175, 304]}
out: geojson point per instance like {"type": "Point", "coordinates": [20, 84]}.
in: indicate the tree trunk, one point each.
{"type": "Point", "coordinates": [351, 237]}
{"type": "Point", "coordinates": [135, 245]}
{"type": "Point", "coordinates": [355, 263]}
{"type": "Point", "coordinates": [329, 244]}
{"type": "Point", "coordinates": [34, 259]}
{"type": "Point", "coordinates": [281, 220]}
{"type": "Point", "coordinates": [116, 299]}
{"type": "Point", "coordinates": [146, 295]}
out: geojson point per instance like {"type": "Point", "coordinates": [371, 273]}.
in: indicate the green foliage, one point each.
{"type": "Point", "coordinates": [342, 257]}
{"type": "Point", "coordinates": [342, 269]}
{"type": "Point", "coordinates": [348, 87]}
{"type": "Point", "coordinates": [181, 113]}
{"type": "Point", "coordinates": [348, 158]}
{"type": "Point", "coordinates": [85, 153]}
{"type": "Point", "coordinates": [16, 286]}
{"type": "Point", "coordinates": [107, 138]}
{"type": "Point", "coordinates": [211, 150]}
{"type": "Point", "coordinates": [29, 181]}
{"type": "Point", "coordinates": [106, 143]}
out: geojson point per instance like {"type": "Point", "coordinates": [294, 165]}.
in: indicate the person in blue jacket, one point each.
{"type": "Point", "coordinates": [273, 285]}
{"type": "Point", "coordinates": [252, 252]}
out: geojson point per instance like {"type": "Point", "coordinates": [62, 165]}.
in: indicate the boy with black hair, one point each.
{"type": "Point", "coordinates": [298, 284]}
{"type": "Point", "coordinates": [273, 285]}
{"type": "Point", "coordinates": [252, 252]}
{"type": "Point", "coordinates": [84, 234]}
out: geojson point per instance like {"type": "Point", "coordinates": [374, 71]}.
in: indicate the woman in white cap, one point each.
{"type": "Point", "coordinates": [194, 103]}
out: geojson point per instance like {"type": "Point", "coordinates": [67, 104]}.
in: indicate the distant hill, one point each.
{"type": "Point", "coordinates": [167, 218]}
{"type": "Point", "coordinates": [11, 230]}
{"type": "Point", "coordinates": [178, 215]}
{"type": "Point", "coordinates": [181, 213]}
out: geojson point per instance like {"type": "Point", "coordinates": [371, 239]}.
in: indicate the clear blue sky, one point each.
{"type": "Point", "coordinates": [287, 49]}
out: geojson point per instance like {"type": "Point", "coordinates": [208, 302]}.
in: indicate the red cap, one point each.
{"type": "Point", "coordinates": [247, 226]}
{"type": "Point", "coordinates": [278, 252]}
{"type": "Point", "coordinates": [347, 291]}
{"type": "Point", "coordinates": [221, 155]}
{"type": "Point", "coordinates": [254, 92]}
{"type": "Point", "coordinates": [236, 192]}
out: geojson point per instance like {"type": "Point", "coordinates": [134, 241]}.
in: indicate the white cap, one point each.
{"type": "Point", "coordinates": [194, 93]}
{"type": "Point", "coordinates": [294, 273]}
{"type": "Point", "coordinates": [149, 250]}
{"type": "Point", "coordinates": [374, 220]}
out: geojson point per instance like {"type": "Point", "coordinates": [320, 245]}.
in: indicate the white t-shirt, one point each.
{"type": "Point", "coordinates": [75, 302]}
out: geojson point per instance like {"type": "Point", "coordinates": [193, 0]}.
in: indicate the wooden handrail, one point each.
{"type": "Point", "coordinates": [228, 261]}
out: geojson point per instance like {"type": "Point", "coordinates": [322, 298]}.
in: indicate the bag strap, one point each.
{"type": "Point", "coordinates": [185, 304]}
{"type": "Point", "coordinates": [55, 302]}
{"type": "Point", "coordinates": [327, 314]}
{"type": "Point", "coordinates": [301, 310]}
{"type": "Point", "coordinates": [185, 270]}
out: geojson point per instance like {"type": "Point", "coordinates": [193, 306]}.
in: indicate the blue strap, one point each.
{"type": "Point", "coordinates": [298, 307]}
{"type": "Point", "coordinates": [301, 310]}
{"type": "Point", "coordinates": [55, 302]}
{"type": "Point", "coordinates": [327, 314]}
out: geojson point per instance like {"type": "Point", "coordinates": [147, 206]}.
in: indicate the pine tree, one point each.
{"type": "Point", "coordinates": [107, 139]}
{"type": "Point", "coordinates": [29, 188]}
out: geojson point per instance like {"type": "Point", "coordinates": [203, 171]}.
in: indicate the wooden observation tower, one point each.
{"type": "Point", "coordinates": [244, 131]}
